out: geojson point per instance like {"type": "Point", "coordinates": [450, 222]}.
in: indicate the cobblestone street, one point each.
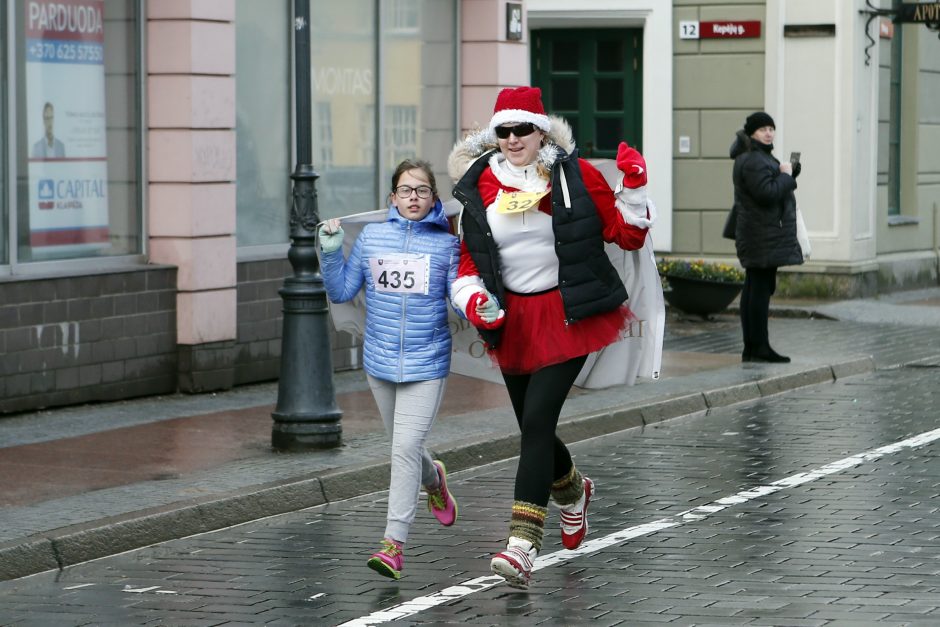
{"type": "Point", "coordinates": [793, 510]}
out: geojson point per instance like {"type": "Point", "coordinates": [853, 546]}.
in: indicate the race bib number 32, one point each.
{"type": "Point", "coordinates": [401, 273]}
{"type": "Point", "coordinates": [517, 202]}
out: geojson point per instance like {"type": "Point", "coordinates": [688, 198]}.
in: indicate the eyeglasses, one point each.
{"type": "Point", "coordinates": [519, 130]}
{"type": "Point", "coordinates": [404, 191]}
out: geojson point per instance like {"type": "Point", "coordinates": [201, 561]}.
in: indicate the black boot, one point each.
{"type": "Point", "coordinates": [746, 353]}
{"type": "Point", "coordinates": [768, 355]}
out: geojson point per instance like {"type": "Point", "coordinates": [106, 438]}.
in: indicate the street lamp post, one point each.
{"type": "Point", "coordinates": [306, 415]}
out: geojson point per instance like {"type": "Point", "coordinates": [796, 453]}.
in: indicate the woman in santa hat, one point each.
{"type": "Point", "coordinates": [536, 282]}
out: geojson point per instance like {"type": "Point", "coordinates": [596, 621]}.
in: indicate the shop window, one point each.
{"type": "Point", "coordinates": [323, 137]}
{"type": "Point", "coordinates": [360, 129]}
{"type": "Point", "coordinates": [894, 124]}
{"type": "Point", "coordinates": [419, 85]}
{"type": "Point", "coordinates": [401, 134]}
{"type": "Point", "coordinates": [404, 15]}
{"type": "Point", "coordinates": [77, 149]}
{"type": "Point", "coordinates": [367, 124]}
{"type": "Point", "coordinates": [343, 76]}
{"type": "Point", "coordinates": [263, 126]}
{"type": "Point", "coordinates": [4, 191]}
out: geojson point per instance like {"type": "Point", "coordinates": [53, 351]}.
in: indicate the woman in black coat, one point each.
{"type": "Point", "coordinates": [765, 233]}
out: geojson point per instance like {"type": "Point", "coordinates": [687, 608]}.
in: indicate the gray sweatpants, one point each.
{"type": "Point", "coordinates": [408, 411]}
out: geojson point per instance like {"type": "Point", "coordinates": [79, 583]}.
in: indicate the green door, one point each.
{"type": "Point", "coordinates": [594, 79]}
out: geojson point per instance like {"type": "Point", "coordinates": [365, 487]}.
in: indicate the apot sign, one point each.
{"type": "Point", "coordinates": [718, 30]}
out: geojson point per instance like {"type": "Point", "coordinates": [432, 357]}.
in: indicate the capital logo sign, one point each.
{"type": "Point", "coordinates": [46, 189]}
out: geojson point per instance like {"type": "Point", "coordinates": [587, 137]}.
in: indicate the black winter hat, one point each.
{"type": "Point", "coordinates": [757, 120]}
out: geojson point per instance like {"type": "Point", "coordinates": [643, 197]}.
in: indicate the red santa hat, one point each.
{"type": "Point", "coordinates": [522, 104]}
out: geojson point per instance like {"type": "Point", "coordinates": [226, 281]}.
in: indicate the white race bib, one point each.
{"type": "Point", "coordinates": [401, 273]}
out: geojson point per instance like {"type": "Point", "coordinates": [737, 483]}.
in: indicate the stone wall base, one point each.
{"type": "Point", "coordinates": [206, 367]}
{"type": "Point", "coordinates": [890, 273]}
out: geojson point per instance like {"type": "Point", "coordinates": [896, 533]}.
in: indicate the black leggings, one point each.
{"type": "Point", "coordinates": [759, 285]}
{"type": "Point", "coordinates": [537, 399]}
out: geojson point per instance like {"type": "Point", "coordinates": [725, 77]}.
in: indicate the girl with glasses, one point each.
{"type": "Point", "coordinates": [536, 282]}
{"type": "Point", "coordinates": [406, 265]}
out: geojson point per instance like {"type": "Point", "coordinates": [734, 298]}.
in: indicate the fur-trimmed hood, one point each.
{"type": "Point", "coordinates": [480, 141]}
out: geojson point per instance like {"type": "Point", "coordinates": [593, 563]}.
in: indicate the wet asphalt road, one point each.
{"type": "Point", "coordinates": [815, 507]}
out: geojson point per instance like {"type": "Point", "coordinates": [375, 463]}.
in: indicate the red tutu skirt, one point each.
{"type": "Point", "coordinates": [535, 334]}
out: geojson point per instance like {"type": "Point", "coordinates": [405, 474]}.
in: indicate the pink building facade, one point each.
{"type": "Point", "coordinates": [168, 279]}
{"type": "Point", "coordinates": [145, 190]}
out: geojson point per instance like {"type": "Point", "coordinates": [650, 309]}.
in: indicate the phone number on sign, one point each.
{"type": "Point", "coordinates": [65, 51]}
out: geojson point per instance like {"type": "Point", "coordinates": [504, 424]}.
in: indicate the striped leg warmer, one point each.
{"type": "Point", "coordinates": [569, 488]}
{"type": "Point", "coordinates": [528, 522]}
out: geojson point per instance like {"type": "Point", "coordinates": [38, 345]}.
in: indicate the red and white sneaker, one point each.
{"type": "Point", "coordinates": [574, 524]}
{"type": "Point", "coordinates": [515, 563]}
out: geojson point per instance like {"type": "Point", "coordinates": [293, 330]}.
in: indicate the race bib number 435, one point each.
{"type": "Point", "coordinates": [401, 273]}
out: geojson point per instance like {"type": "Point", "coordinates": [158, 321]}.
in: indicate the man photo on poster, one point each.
{"type": "Point", "coordinates": [48, 147]}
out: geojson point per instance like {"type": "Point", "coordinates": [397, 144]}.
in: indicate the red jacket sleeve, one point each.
{"type": "Point", "coordinates": [616, 230]}
{"type": "Point", "coordinates": [466, 267]}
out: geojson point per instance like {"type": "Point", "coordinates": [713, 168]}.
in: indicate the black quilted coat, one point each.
{"type": "Point", "coordinates": [765, 235]}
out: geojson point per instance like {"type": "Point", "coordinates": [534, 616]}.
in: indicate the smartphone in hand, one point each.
{"type": "Point", "coordinates": [794, 158]}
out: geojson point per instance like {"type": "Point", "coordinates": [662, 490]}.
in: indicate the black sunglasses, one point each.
{"type": "Point", "coordinates": [519, 130]}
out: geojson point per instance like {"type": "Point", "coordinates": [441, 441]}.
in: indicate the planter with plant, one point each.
{"type": "Point", "coordinates": [700, 287]}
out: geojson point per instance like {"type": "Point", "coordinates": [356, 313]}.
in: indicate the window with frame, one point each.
{"type": "Point", "coordinates": [351, 155]}
{"type": "Point", "coordinates": [4, 141]}
{"type": "Point", "coordinates": [894, 123]}
{"type": "Point", "coordinates": [419, 85]}
{"type": "Point", "coordinates": [367, 132]}
{"type": "Point", "coordinates": [76, 159]}
{"type": "Point", "coordinates": [343, 83]}
{"type": "Point", "coordinates": [401, 134]}
{"type": "Point", "coordinates": [263, 124]}
{"type": "Point", "coordinates": [323, 137]}
{"type": "Point", "coordinates": [405, 15]}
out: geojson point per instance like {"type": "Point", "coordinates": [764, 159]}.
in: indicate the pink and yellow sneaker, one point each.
{"type": "Point", "coordinates": [389, 560]}
{"type": "Point", "coordinates": [441, 502]}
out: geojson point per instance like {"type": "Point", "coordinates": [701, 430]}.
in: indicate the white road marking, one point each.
{"type": "Point", "coordinates": [156, 589]}
{"type": "Point", "coordinates": [479, 584]}
{"type": "Point", "coordinates": [149, 589]}
{"type": "Point", "coordinates": [77, 586]}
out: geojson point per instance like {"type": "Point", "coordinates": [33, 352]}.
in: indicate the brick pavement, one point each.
{"type": "Point", "coordinates": [856, 547]}
{"type": "Point", "coordinates": [701, 371]}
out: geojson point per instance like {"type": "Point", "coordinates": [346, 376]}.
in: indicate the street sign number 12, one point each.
{"type": "Point", "coordinates": [688, 30]}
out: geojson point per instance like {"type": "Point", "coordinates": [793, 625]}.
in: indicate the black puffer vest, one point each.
{"type": "Point", "coordinates": [588, 282]}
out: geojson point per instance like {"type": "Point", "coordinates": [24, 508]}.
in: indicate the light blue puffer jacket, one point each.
{"type": "Point", "coordinates": [407, 337]}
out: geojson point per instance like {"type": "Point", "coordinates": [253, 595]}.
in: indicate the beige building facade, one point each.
{"type": "Point", "coordinates": [858, 100]}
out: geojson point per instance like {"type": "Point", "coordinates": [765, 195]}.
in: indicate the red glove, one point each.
{"type": "Point", "coordinates": [496, 316]}
{"type": "Point", "coordinates": [633, 166]}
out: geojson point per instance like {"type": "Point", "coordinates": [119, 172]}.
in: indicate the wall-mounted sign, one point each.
{"type": "Point", "coordinates": [719, 30]}
{"type": "Point", "coordinates": [688, 29]}
{"type": "Point", "coordinates": [886, 29]}
{"type": "Point", "coordinates": [926, 13]}
{"type": "Point", "coordinates": [921, 13]}
{"type": "Point", "coordinates": [809, 30]}
{"type": "Point", "coordinates": [66, 130]}
{"type": "Point", "coordinates": [513, 20]}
